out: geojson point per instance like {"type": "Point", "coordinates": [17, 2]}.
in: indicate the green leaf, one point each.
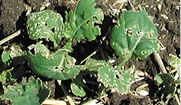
{"type": "Point", "coordinates": [5, 57]}
{"type": "Point", "coordinates": [135, 35]}
{"type": "Point", "coordinates": [45, 25]}
{"type": "Point", "coordinates": [58, 65]}
{"type": "Point", "coordinates": [115, 80]}
{"type": "Point", "coordinates": [77, 86]}
{"type": "Point", "coordinates": [168, 86]}
{"type": "Point", "coordinates": [31, 93]}
{"type": "Point", "coordinates": [81, 22]}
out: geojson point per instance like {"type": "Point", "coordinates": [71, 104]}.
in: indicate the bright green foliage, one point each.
{"type": "Point", "coordinates": [45, 25]}
{"type": "Point", "coordinates": [115, 80]}
{"type": "Point", "coordinates": [80, 23]}
{"type": "Point", "coordinates": [77, 86]}
{"type": "Point", "coordinates": [134, 36]}
{"type": "Point", "coordinates": [31, 93]}
{"type": "Point", "coordinates": [58, 65]}
{"type": "Point", "coordinates": [5, 57]}
{"type": "Point", "coordinates": [167, 84]}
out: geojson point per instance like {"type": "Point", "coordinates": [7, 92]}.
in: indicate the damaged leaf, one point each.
{"type": "Point", "coordinates": [117, 81]}
{"type": "Point", "coordinates": [45, 25]}
{"type": "Point", "coordinates": [134, 36]}
{"type": "Point", "coordinates": [58, 65]}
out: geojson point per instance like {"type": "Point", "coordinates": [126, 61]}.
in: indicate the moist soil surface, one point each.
{"type": "Point", "coordinates": [164, 13]}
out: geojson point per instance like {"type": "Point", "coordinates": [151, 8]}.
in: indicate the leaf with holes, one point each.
{"type": "Point", "coordinates": [119, 81]}
{"type": "Point", "coordinates": [29, 93]}
{"type": "Point", "coordinates": [135, 35]}
{"type": "Point", "coordinates": [58, 65]}
{"type": "Point", "coordinates": [45, 25]}
{"type": "Point", "coordinates": [81, 22]}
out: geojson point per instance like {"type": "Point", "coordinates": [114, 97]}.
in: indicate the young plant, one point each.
{"type": "Point", "coordinates": [134, 36]}
{"type": "Point", "coordinates": [79, 24]}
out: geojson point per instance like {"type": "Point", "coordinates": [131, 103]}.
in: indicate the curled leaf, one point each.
{"type": "Point", "coordinates": [58, 65]}
{"type": "Point", "coordinates": [77, 86]}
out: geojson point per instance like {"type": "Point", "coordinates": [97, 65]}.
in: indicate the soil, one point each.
{"type": "Point", "coordinates": [164, 13]}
